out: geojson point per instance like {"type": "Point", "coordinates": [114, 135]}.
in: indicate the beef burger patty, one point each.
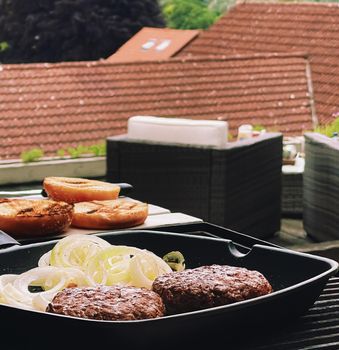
{"type": "Point", "coordinates": [209, 286]}
{"type": "Point", "coordinates": [113, 303]}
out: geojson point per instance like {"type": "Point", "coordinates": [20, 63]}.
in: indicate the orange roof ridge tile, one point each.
{"type": "Point", "coordinates": [196, 58]}
{"type": "Point", "coordinates": [277, 4]}
{"type": "Point", "coordinates": [242, 56]}
{"type": "Point", "coordinates": [24, 66]}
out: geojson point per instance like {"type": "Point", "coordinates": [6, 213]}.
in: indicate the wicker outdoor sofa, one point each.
{"type": "Point", "coordinates": [236, 186]}
{"type": "Point", "coordinates": [321, 187]}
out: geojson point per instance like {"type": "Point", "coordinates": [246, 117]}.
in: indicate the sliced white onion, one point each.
{"type": "Point", "coordinates": [125, 265]}
{"type": "Point", "coordinates": [40, 302]}
{"type": "Point", "coordinates": [75, 250]}
{"type": "Point", "coordinates": [111, 265]}
{"type": "Point", "coordinates": [13, 297]}
{"type": "Point", "coordinates": [52, 279]}
{"type": "Point", "coordinates": [81, 260]}
{"type": "Point", "coordinates": [45, 259]}
{"type": "Point", "coordinates": [138, 277]}
{"type": "Point", "coordinates": [5, 279]}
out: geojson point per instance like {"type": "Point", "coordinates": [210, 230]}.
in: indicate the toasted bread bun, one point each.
{"type": "Point", "coordinates": [118, 213]}
{"type": "Point", "coordinates": [74, 190]}
{"type": "Point", "coordinates": [31, 218]}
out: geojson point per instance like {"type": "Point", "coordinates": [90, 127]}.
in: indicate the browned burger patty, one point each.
{"type": "Point", "coordinates": [113, 303]}
{"type": "Point", "coordinates": [208, 286]}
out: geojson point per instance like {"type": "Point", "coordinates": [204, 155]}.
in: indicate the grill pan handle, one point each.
{"type": "Point", "coordinates": [125, 188]}
{"type": "Point", "coordinates": [6, 240]}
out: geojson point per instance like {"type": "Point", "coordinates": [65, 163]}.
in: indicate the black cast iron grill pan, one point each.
{"type": "Point", "coordinates": [297, 280]}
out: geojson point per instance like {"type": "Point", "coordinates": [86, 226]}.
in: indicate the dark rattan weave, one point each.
{"type": "Point", "coordinates": [292, 194]}
{"type": "Point", "coordinates": [321, 187]}
{"type": "Point", "coordinates": [238, 186]}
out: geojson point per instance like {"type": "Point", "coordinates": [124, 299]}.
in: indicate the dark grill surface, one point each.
{"type": "Point", "coordinates": [318, 329]}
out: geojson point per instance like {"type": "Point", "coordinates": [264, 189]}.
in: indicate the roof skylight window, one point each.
{"type": "Point", "coordinates": [163, 45]}
{"type": "Point", "coordinates": [149, 44]}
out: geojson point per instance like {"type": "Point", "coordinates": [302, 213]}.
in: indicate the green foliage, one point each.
{"type": "Point", "coordinates": [258, 127]}
{"type": "Point", "coordinates": [61, 153]}
{"type": "Point", "coordinates": [189, 14]}
{"type": "Point", "coordinates": [220, 6]}
{"type": "Point", "coordinates": [71, 30]}
{"type": "Point", "coordinates": [32, 155]}
{"type": "Point", "coordinates": [97, 150]}
{"type": "Point", "coordinates": [330, 128]}
{"type": "Point", "coordinates": [76, 152]}
{"type": "Point", "coordinates": [4, 46]}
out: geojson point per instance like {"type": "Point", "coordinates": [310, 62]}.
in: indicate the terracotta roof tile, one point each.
{"type": "Point", "coordinates": [265, 27]}
{"type": "Point", "coordinates": [60, 105]}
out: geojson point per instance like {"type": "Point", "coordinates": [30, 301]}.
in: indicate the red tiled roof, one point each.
{"type": "Point", "coordinates": [60, 105]}
{"type": "Point", "coordinates": [153, 44]}
{"type": "Point", "coordinates": [266, 27]}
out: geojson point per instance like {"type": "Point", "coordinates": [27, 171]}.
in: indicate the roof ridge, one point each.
{"type": "Point", "coordinates": [291, 4]}
{"type": "Point", "coordinates": [39, 65]}
{"type": "Point", "coordinates": [212, 58]}
{"type": "Point", "coordinates": [256, 55]}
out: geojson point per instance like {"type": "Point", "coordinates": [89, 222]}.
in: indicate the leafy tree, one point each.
{"type": "Point", "coordinates": [68, 30]}
{"type": "Point", "coordinates": [189, 14]}
{"type": "Point", "coordinates": [220, 5]}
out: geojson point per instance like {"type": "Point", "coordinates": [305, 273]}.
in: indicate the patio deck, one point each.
{"type": "Point", "coordinates": [291, 233]}
{"type": "Point", "coordinates": [293, 236]}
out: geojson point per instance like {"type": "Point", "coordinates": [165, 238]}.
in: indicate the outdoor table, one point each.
{"type": "Point", "coordinates": [157, 217]}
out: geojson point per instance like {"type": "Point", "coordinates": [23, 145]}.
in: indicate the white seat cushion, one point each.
{"type": "Point", "coordinates": [178, 131]}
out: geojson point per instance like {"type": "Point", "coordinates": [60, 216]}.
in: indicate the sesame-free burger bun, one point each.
{"type": "Point", "coordinates": [74, 190]}
{"type": "Point", "coordinates": [33, 218]}
{"type": "Point", "coordinates": [110, 214]}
